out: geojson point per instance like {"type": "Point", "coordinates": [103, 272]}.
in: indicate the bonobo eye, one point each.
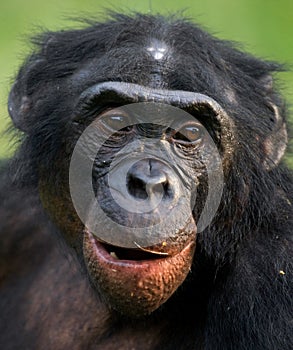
{"type": "Point", "coordinates": [189, 133]}
{"type": "Point", "coordinates": [116, 120]}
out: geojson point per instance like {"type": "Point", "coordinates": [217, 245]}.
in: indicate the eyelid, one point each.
{"type": "Point", "coordinates": [189, 140]}
{"type": "Point", "coordinates": [113, 111]}
{"type": "Point", "coordinates": [111, 117]}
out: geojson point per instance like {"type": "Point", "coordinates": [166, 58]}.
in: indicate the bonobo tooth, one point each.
{"type": "Point", "coordinates": [113, 254]}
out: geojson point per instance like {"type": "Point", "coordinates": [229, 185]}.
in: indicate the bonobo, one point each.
{"type": "Point", "coordinates": [147, 206]}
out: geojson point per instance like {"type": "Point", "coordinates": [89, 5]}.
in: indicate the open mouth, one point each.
{"type": "Point", "coordinates": [131, 254]}
{"type": "Point", "coordinates": [135, 282]}
{"type": "Point", "coordinates": [110, 254]}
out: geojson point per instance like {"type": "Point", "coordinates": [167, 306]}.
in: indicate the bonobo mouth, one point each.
{"type": "Point", "coordinates": [135, 282]}
{"type": "Point", "coordinates": [131, 254]}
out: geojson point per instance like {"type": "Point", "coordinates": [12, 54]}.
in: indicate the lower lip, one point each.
{"type": "Point", "coordinates": [135, 287]}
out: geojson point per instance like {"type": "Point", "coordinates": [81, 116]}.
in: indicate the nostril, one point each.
{"type": "Point", "coordinates": [150, 179]}
{"type": "Point", "coordinates": [144, 187]}
{"type": "Point", "coordinates": [136, 187]}
{"type": "Point", "coordinates": [156, 188]}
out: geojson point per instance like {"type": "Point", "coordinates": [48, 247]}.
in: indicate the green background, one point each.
{"type": "Point", "coordinates": [263, 27]}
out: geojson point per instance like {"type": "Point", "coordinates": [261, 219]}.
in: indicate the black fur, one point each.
{"type": "Point", "coordinates": [239, 292]}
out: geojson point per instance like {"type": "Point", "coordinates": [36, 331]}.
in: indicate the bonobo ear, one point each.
{"type": "Point", "coordinates": [23, 93]}
{"type": "Point", "coordinates": [276, 142]}
{"type": "Point", "coordinates": [19, 106]}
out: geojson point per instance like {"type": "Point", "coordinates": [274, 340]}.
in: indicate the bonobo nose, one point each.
{"type": "Point", "coordinates": [148, 178]}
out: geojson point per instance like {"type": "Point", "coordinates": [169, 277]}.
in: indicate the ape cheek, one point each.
{"type": "Point", "coordinates": [58, 206]}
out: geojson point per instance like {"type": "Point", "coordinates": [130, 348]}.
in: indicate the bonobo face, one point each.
{"type": "Point", "coordinates": [134, 162]}
{"type": "Point", "coordinates": [134, 180]}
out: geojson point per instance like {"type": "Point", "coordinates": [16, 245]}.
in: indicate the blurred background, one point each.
{"type": "Point", "coordinates": [262, 27]}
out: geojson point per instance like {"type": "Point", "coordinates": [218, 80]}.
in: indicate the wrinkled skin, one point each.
{"type": "Point", "coordinates": [174, 124]}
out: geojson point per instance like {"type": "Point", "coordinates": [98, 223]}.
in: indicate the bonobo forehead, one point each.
{"type": "Point", "coordinates": [158, 49]}
{"type": "Point", "coordinates": [151, 51]}
{"type": "Point", "coordinates": [162, 56]}
{"type": "Point", "coordinates": [148, 63]}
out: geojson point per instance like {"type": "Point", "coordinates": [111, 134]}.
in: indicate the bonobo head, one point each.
{"type": "Point", "coordinates": [130, 137]}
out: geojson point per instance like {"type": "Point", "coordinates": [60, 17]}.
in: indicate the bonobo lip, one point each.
{"type": "Point", "coordinates": [129, 254]}
{"type": "Point", "coordinates": [129, 257]}
{"type": "Point", "coordinates": [135, 287]}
